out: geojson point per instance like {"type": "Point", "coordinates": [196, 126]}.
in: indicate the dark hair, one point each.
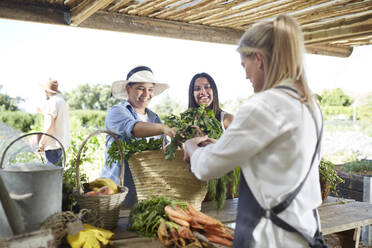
{"type": "Point", "coordinates": [215, 106]}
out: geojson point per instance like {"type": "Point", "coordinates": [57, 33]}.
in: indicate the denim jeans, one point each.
{"type": "Point", "coordinates": [53, 156]}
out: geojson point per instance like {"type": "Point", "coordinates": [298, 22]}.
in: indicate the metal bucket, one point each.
{"type": "Point", "coordinates": [35, 189]}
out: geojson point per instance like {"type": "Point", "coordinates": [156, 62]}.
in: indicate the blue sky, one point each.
{"type": "Point", "coordinates": [32, 52]}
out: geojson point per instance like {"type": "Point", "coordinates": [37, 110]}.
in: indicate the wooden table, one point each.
{"type": "Point", "coordinates": [344, 218]}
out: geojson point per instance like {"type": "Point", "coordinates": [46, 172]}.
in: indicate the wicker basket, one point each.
{"type": "Point", "coordinates": [107, 206]}
{"type": "Point", "coordinates": [154, 175]}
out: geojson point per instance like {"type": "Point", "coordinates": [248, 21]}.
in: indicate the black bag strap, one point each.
{"type": "Point", "coordinates": [288, 200]}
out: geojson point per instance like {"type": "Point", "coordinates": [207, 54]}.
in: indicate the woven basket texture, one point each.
{"type": "Point", "coordinates": [58, 222]}
{"type": "Point", "coordinates": [154, 175]}
{"type": "Point", "coordinates": [107, 206]}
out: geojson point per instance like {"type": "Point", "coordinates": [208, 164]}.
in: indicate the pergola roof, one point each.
{"type": "Point", "coordinates": [330, 27]}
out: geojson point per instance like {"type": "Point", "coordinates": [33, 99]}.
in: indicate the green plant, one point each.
{"type": "Point", "coordinates": [191, 123]}
{"type": "Point", "coordinates": [358, 165]}
{"type": "Point", "coordinates": [329, 175]}
{"type": "Point", "coordinates": [129, 148]}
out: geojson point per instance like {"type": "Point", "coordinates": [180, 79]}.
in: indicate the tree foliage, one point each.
{"type": "Point", "coordinates": [95, 97]}
{"type": "Point", "coordinates": [8, 103]}
{"type": "Point", "coordinates": [335, 97]}
{"type": "Point", "coordinates": [167, 106]}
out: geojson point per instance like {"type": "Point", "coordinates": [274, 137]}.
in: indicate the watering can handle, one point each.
{"type": "Point", "coordinates": [35, 133]}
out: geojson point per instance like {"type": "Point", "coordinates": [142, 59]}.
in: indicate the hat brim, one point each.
{"type": "Point", "coordinates": [49, 90]}
{"type": "Point", "coordinates": [118, 88]}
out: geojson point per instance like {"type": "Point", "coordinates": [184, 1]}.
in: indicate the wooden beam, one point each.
{"type": "Point", "coordinates": [331, 10]}
{"type": "Point", "coordinates": [339, 33]}
{"type": "Point", "coordinates": [329, 50]}
{"type": "Point", "coordinates": [164, 28]}
{"type": "Point", "coordinates": [87, 8]}
{"type": "Point", "coordinates": [34, 13]}
{"type": "Point", "coordinates": [119, 5]}
{"type": "Point", "coordinates": [10, 9]}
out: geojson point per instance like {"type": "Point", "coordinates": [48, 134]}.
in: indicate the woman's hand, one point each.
{"type": "Point", "coordinates": [191, 145]}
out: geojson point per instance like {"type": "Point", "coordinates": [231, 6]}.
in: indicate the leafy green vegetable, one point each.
{"type": "Point", "coordinates": [146, 216]}
{"type": "Point", "coordinates": [129, 148]}
{"type": "Point", "coordinates": [191, 123]}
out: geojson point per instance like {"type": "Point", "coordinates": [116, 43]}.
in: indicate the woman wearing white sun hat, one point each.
{"type": "Point", "coordinates": [132, 119]}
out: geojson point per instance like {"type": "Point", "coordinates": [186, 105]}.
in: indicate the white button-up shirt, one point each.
{"type": "Point", "coordinates": [272, 138]}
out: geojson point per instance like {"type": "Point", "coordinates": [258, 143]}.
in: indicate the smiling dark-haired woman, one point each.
{"type": "Point", "coordinates": [203, 91]}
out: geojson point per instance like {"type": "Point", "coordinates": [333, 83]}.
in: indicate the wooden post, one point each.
{"type": "Point", "coordinates": [367, 197]}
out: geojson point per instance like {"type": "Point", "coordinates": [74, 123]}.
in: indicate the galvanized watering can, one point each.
{"type": "Point", "coordinates": [29, 193]}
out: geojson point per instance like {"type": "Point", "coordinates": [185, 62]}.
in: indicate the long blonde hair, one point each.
{"type": "Point", "coordinates": [282, 47]}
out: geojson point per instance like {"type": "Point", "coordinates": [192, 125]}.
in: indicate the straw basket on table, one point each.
{"type": "Point", "coordinates": [154, 175]}
{"type": "Point", "coordinates": [107, 206]}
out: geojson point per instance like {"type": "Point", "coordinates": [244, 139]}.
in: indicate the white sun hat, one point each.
{"type": "Point", "coordinates": [139, 74]}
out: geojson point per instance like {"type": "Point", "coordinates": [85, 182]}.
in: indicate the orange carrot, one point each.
{"type": "Point", "coordinates": [179, 221]}
{"type": "Point", "coordinates": [177, 214]}
{"type": "Point", "coordinates": [205, 221]}
{"type": "Point", "coordinates": [202, 218]}
{"type": "Point", "coordinates": [219, 240]}
{"type": "Point", "coordinates": [218, 231]}
{"type": "Point", "coordinates": [179, 209]}
{"type": "Point", "coordinates": [185, 233]}
{"type": "Point", "coordinates": [196, 225]}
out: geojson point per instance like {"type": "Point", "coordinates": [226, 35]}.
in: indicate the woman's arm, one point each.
{"type": "Point", "coordinates": [147, 129]}
{"type": "Point", "coordinates": [254, 127]}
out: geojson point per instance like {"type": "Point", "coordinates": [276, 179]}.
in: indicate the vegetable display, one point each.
{"type": "Point", "coordinates": [177, 224]}
{"type": "Point", "coordinates": [191, 123]}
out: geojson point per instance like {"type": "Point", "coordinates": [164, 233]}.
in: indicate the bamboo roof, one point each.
{"type": "Point", "coordinates": [330, 27]}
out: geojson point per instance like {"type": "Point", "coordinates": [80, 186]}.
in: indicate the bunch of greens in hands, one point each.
{"type": "Point", "coordinates": [191, 123]}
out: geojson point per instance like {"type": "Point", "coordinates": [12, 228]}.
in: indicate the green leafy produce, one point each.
{"type": "Point", "coordinates": [191, 123]}
{"type": "Point", "coordinates": [146, 216]}
{"type": "Point", "coordinates": [129, 148]}
{"type": "Point", "coordinates": [329, 175]}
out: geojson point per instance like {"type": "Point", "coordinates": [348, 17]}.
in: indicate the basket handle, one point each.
{"type": "Point", "coordinates": [78, 162]}
{"type": "Point", "coordinates": [29, 134]}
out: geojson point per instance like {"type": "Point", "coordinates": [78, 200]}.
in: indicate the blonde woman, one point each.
{"type": "Point", "coordinates": [275, 139]}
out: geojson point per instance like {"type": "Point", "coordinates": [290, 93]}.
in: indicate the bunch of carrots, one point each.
{"type": "Point", "coordinates": [192, 226]}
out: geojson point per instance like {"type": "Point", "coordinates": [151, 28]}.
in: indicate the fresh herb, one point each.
{"type": "Point", "coordinates": [191, 123]}
{"type": "Point", "coordinates": [329, 175]}
{"type": "Point", "coordinates": [146, 216]}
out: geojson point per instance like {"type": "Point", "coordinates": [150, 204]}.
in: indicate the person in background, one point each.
{"type": "Point", "coordinates": [203, 91]}
{"type": "Point", "coordinates": [56, 123]}
{"type": "Point", "coordinates": [132, 119]}
{"type": "Point", "coordinates": [275, 138]}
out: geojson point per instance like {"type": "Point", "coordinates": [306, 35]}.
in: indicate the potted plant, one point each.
{"type": "Point", "coordinates": [328, 178]}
